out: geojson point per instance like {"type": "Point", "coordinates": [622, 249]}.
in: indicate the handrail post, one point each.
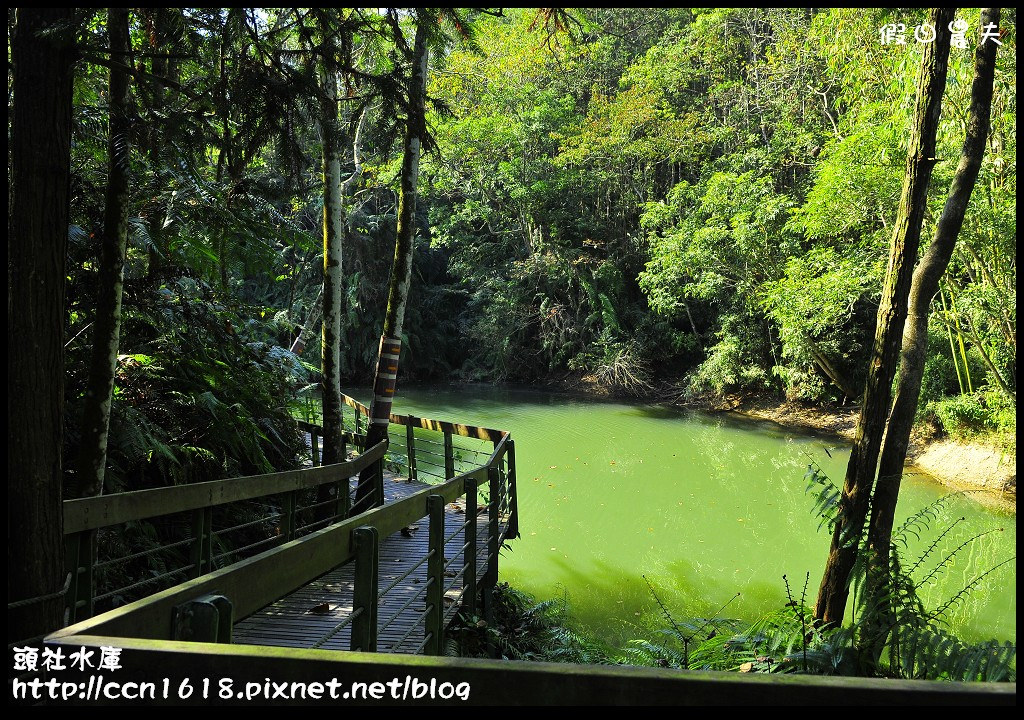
{"type": "Point", "coordinates": [364, 593]}
{"type": "Point", "coordinates": [198, 549]}
{"type": "Point", "coordinates": [80, 551]}
{"type": "Point", "coordinates": [513, 499]}
{"type": "Point", "coordinates": [314, 447]}
{"type": "Point", "coordinates": [288, 521]}
{"type": "Point", "coordinates": [491, 577]}
{"type": "Point", "coordinates": [344, 489]}
{"type": "Point", "coordinates": [378, 482]}
{"type": "Point", "coordinates": [433, 624]}
{"type": "Point", "coordinates": [469, 589]}
{"type": "Point", "coordinates": [410, 447]}
{"type": "Point", "coordinates": [449, 456]}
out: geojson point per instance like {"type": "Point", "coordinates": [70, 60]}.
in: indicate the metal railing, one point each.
{"type": "Point", "coordinates": [189, 530]}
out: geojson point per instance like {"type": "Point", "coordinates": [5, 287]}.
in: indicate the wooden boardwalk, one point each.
{"type": "Point", "coordinates": [307, 617]}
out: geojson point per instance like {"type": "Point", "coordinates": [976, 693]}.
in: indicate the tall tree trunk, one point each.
{"type": "Point", "coordinates": [385, 375]}
{"type": "Point", "coordinates": [830, 606]}
{"type": "Point", "coordinates": [330, 135]}
{"type": "Point", "coordinates": [92, 453]}
{"type": "Point", "coordinates": [915, 345]}
{"type": "Point", "coordinates": [42, 54]}
{"type": "Point", "coordinates": [348, 188]}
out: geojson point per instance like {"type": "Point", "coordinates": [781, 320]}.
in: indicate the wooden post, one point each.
{"type": "Point", "coordinates": [197, 552]}
{"type": "Point", "coordinates": [410, 446]}
{"type": "Point", "coordinates": [433, 625]}
{"type": "Point", "coordinates": [364, 595]}
{"type": "Point", "coordinates": [491, 578]}
{"type": "Point", "coordinates": [449, 456]}
{"type": "Point", "coordinates": [513, 500]}
{"type": "Point", "coordinates": [345, 498]}
{"type": "Point", "coordinates": [315, 447]}
{"type": "Point", "coordinates": [469, 592]}
{"type": "Point", "coordinates": [378, 481]}
{"type": "Point", "coordinates": [80, 551]}
{"type": "Point", "coordinates": [288, 518]}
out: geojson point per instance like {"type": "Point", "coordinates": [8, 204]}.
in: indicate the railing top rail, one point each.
{"type": "Point", "coordinates": [474, 431]}
{"type": "Point", "coordinates": [512, 683]}
{"type": "Point", "coordinates": [105, 510]}
{"type": "Point", "coordinates": [255, 582]}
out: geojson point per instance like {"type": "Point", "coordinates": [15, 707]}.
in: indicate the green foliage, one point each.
{"type": "Point", "coordinates": [524, 629]}
{"type": "Point", "coordinates": [984, 414]}
{"type": "Point", "coordinates": [736, 362]}
{"type": "Point", "coordinates": [203, 396]}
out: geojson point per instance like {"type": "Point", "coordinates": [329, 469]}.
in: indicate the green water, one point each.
{"type": "Point", "coordinates": [704, 506]}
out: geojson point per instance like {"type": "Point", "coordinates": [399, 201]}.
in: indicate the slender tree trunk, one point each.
{"type": "Point", "coordinates": [348, 188]}
{"type": "Point", "coordinates": [833, 374]}
{"type": "Point", "coordinates": [915, 344]}
{"type": "Point", "coordinates": [892, 312]}
{"type": "Point", "coordinates": [316, 311]}
{"type": "Point", "coordinates": [42, 54]}
{"type": "Point", "coordinates": [330, 132]}
{"type": "Point", "coordinates": [385, 375]}
{"type": "Point", "coordinates": [92, 454]}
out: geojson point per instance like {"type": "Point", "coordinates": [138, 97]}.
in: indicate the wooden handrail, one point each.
{"type": "Point", "coordinates": [473, 431]}
{"type": "Point", "coordinates": [253, 583]}
{"type": "Point", "coordinates": [500, 683]}
{"type": "Point", "coordinates": [105, 510]}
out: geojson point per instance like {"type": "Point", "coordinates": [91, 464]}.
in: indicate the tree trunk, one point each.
{"type": "Point", "coordinates": [92, 453]}
{"type": "Point", "coordinates": [330, 133]}
{"type": "Point", "coordinates": [838, 379]}
{"type": "Point", "coordinates": [915, 345]}
{"type": "Point", "coordinates": [386, 372]}
{"type": "Point", "coordinates": [316, 311]}
{"type": "Point", "coordinates": [348, 188]}
{"type": "Point", "coordinates": [42, 54]}
{"type": "Point", "coordinates": [892, 312]}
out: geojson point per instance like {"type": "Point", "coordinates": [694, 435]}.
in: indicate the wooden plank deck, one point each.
{"type": "Point", "coordinates": [293, 622]}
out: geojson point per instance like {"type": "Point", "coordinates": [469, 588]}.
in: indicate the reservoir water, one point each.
{"type": "Point", "coordinates": [703, 507]}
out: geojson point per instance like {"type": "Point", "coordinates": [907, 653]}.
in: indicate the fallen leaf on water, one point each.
{"type": "Point", "coordinates": [552, 467]}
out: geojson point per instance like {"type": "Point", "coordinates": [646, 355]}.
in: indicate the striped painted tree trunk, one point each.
{"type": "Point", "coordinates": [386, 373]}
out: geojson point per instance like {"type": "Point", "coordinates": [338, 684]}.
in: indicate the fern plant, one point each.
{"type": "Point", "coordinates": [893, 632]}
